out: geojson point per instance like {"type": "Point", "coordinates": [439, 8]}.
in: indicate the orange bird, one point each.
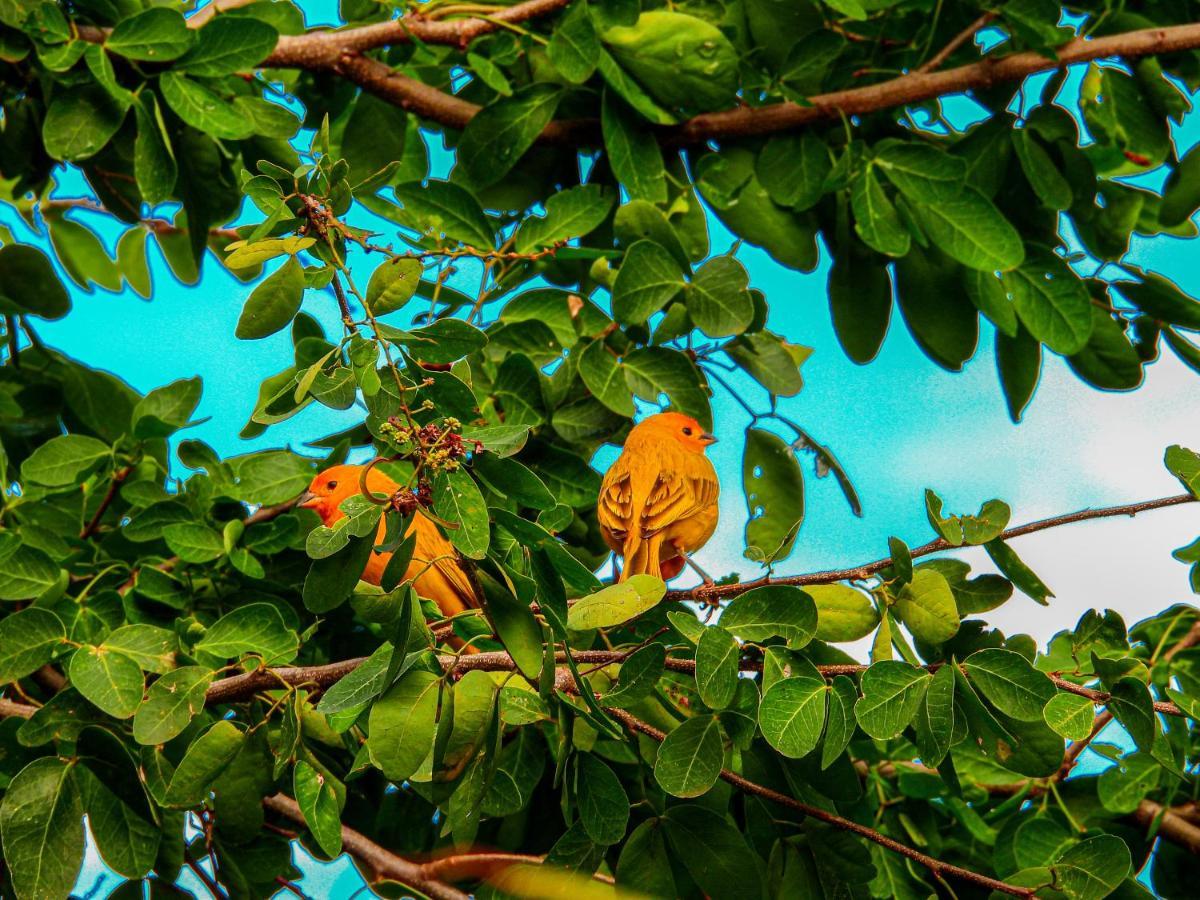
{"type": "Point", "coordinates": [658, 501]}
{"type": "Point", "coordinates": [435, 570]}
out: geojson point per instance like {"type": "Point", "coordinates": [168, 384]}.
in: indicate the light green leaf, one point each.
{"type": "Point", "coordinates": [170, 705]}
{"type": "Point", "coordinates": [633, 153]}
{"type": "Point", "coordinates": [971, 230]}
{"type": "Point", "coordinates": [892, 693]}
{"type": "Point", "coordinates": [402, 724]}
{"type": "Point", "coordinates": [927, 608]}
{"type": "Point", "coordinates": [843, 614]}
{"type": "Point", "coordinates": [318, 803]}
{"type": "Point", "coordinates": [28, 639]}
{"type": "Point", "coordinates": [498, 135]}
{"type": "Point", "coordinates": [718, 298]}
{"type": "Point", "coordinates": [774, 489]}
{"type": "Point", "coordinates": [109, 679]}
{"type": "Point", "coordinates": [193, 542]}
{"type": "Point", "coordinates": [792, 714]}
{"type": "Point", "coordinates": [41, 825]}
{"type": "Point", "coordinates": [648, 279]}
{"type": "Point", "coordinates": [617, 603]}
{"type": "Point", "coordinates": [772, 610]}
{"type": "Point", "coordinates": [603, 803]}
{"type": "Point", "coordinates": [229, 44]}
{"type": "Point", "coordinates": [717, 655]}
{"type": "Point", "coordinates": [156, 35]}
{"type": "Point", "coordinates": [445, 211]}
{"type": "Point", "coordinates": [274, 303]}
{"type": "Point", "coordinates": [165, 410]}
{"type": "Point", "coordinates": [1010, 683]}
{"type": "Point", "coordinates": [392, 285]}
{"type": "Point", "coordinates": [256, 628]}
{"type": "Point", "coordinates": [66, 459]}
{"type": "Point", "coordinates": [1070, 715]}
{"type": "Point", "coordinates": [205, 759]}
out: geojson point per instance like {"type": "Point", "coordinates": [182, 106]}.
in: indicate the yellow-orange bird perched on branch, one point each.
{"type": "Point", "coordinates": [658, 501]}
{"type": "Point", "coordinates": [436, 569]}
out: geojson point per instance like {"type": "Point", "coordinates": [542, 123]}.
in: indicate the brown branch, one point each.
{"type": "Point", "coordinates": [721, 591]}
{"type": "Point", "coordinates": [1101, 697]}
{"type": "Point", "coordinates": [381, 863]}
{"type": "Point", "coordinates": [935, 62]}
{"type": "Point", "coordinates": [1075, 750]}
{"type": "Point", "coordinates": [114, 483]}
{"type": "Point", "coordinates": [12, 708]}
{"type": "Point", "coordinates": [156, 225]}
{"type": "Point", "coordinates": [936, 866]}
{"type": "Point", "coordinates": [324, 49]}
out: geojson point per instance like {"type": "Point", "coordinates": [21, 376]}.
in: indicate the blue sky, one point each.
{"type": "Point", "coordinates": [899, 425]}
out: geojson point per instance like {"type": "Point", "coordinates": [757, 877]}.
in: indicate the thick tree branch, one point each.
{"type": "Point", "coordinates": [325, 49]}
{"type": "Point", "coordinates": [936, 866]}
{"type": "Point", "coordinates": [713, 593]}
{"type": "Point", "coordinates": [380, 862]}
{"type": "Point", "coordinates": [914, 87]}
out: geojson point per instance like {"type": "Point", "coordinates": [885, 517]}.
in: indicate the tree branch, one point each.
{"type": "Point", "coordinates": [936, 866]}
{"type": "Point", "coordinates": [325, 49]}
{"type": "Point", "coordinates": [382, 863]}
{"type": "Point", "coordinates": [935, 62]}
{"type": "Point", "coordinates": [118, 477]}
{"type": "Point", "coordinates": [329, 54]}
{"type": "Point", "coordinates": [710, 593]}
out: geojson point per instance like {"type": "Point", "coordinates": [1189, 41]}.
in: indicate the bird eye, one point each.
{"type": "Point", "coordinates": [688, 432]}
{"type": "Point", "coordinates": [332, 485]}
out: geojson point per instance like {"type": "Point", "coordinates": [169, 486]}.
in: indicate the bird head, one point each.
{"type": "Point", "coordinates": [327, 491]}
{"type": "Point", "coordinates": [684, 430]}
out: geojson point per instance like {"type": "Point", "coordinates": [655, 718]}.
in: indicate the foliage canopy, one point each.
{"type": "Point", "coordinates": [201, 646]}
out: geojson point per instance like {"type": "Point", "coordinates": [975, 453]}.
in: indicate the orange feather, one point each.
{"type": "Point", "coordinates": [658, 501]}
{"type": "Point", "coordinates": [435, 570]}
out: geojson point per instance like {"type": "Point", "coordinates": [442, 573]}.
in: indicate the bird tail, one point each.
{"type": "Point", "coordinates": [642, 556]}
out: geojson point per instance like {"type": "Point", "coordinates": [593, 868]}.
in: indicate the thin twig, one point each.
{"type": "Point", "coordinates": [857, 573]}
{"type": "Point", "coordinates": [937, 866]}
{"type": "Point", "coordinates": [114, 483]}
{"type": "Point", "coordinates": [935, 62]}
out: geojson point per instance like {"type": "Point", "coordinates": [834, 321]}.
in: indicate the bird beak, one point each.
{"type": "Point", "coordinates": [308, 500]}
{"type": "Point", "coordinates": [707, 438]}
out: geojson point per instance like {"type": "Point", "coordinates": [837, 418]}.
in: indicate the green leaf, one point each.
{"type": "Point", "coordinates": [713, 852]}
{"type": "Point", "coordinates": [202, 108]}
{"type": "Point", "coordinates": [1010, 683]}
{"type": "Point", "coordinates": [681, 61]}
{"type": "Point", "coordinates": [319, 805]}
{"type": "Point", "coordinates": [934, 723]}
{"type": "Point", "coordinates": [860, 300]}
{"type": "Point", "coordinates": [843, 614]}
{"type": "Point", "coordinates": [718, 298]}
{"type": "Point", "coordinates": [929, 296]}
{"type": "Point", "coordinates": [648, 279]}
{"type": "Point", "coordinates": [498, 135]}
{"type": "Point", "coordinates": [603, 803]}
{"type": "Point", "coordinates": [1070, 715]}
{"type": "Point", "coordinates": [331, 580]}
{"type": "Point", "coordinates": [1011, 566]}
{"type": "Point", "coordinates": [1052, 302]}
{"type": "Point", "coordinates": [1130, 702]}
{"type": "Point", "coordinates": [1184, 464]}
{"type": "Point", "coordinates": [771, 361]}
{"type": "Point", "coordinates": [41, 825]}
{"type": "Point", "coordinates": [1109, 361]}
{"type": "Point", "coordinates": [274, 303]}
{"type": "Point", "coordinates": [456, 498]}
{"type": "Point", "coordinates": [891, 695]}
{"type": "Point", "coordinates": [574, 48]}
{"type": "Point", "coordinates": [256, 628]}
{"type": "Point", "coordinates": [205, 759]}
{"type": "Point", "coordinates": [921, 172]}
{"type": "Point", "coordinates": [604, 376]}
{"type": "Point", "coordinates": [193, 542]}
{"type": "Point", "coordinates": [569, 214]}
{"type": "Point", "coordinates": [1040, 170]}
{"type": "Point", "coordinates": [446, 212]}
{"type": "Point", "coordinates": [840, 725]}
{"type": "Point", "coordinates": [793, 168]}
{"type": "Point", "coordinates": [28, 639]}
{"type": "Point", "coordinates": [402, 725]}
{"type": "Point", "coordinates": [42, 293]}
{"type": "Point", "coordinates": [633, 152]}
{"type": "Point", "coordinates": [151, 647]}
{"type": "Point", "coordinates": [1093, 868]}
{"type": "Point", "coordinates": [165, 410]}
{"type": "Point", "coordinates": [1122, 787]}
{"type": "Point", "coordinates": [393, 284]}
{"type": "Point", "coordinates": [1019, 361]}
{"type": "Point", "coordinates": [773, 610]}
{"type": "Point", "coordinates": [875, 218]}
{"type": "Point", "coordinates": [653, 371]}
{"type": "Point", "coordinates": [774, 489]}
{"type": "Point", "coordinates": [689, 759]}
{"type": "Point", "coordinates": [170, 705]}
{"type": "Point", "coordinates": [66, 459]}
{"type": "Point", "coordinates": [971, 230]}
{"type": "Point", "coordinates": [27, 573]}
{"type": "Point", "coordinates": [156, 35]}
{"type": "Point", "coordinates": [153, 159]}
{"type": "Point", "coordinates": [926, 607]}
{"type": "Point", "coordinates": [227, 45]}
{"type": "Point", "coordinates": [109, 679]}
{"type": "Point", "coordinates": [616, 603]}
{"type": "Point", "coordinates": [792, 715]}
{"type": "Point", "coordinates": [717, 656]}
{"type": "Point", "coordinates": [639, 676]}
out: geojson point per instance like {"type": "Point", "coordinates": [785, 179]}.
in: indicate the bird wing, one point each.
{"type": "Point", "coordinates": [615, 507]}
{"type": "Point", "coordinates": [439, 574]}
{"type": "Point", "coordinates": [676, 496]}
